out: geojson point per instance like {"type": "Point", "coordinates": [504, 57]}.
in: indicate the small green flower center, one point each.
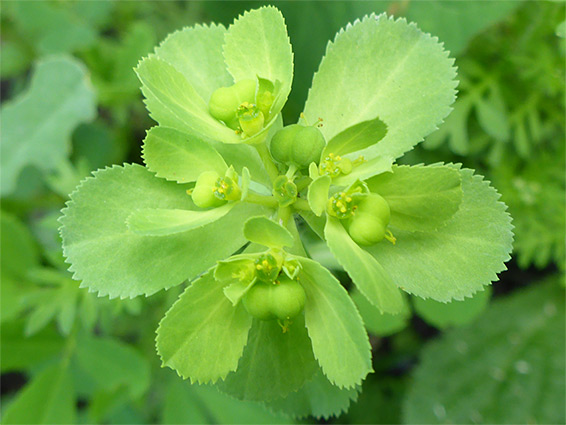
{"type": "Point", "coordinates": [341, 205]}
{"type": "Point", "coordinates": [267, 267]}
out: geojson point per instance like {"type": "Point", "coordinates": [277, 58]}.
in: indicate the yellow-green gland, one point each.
{"type": "Point", "coordinates": [250, 118]}
{"type": "Point", "coordinates": [225, 101]}
{"type": "Point", "coordinates": [283, 299]}
{"type": "Point", "coordinates": [203, 193]}
{"type": "Point", "coordinates": [368, 225]}
{"type": "Point", "coordinates": [341, 205]}
{"type": "Point", "coordinates": [298, 145]}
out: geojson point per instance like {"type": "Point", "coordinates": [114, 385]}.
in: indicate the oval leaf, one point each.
{"type": "Point", "coordinates": [318, 194]}
{"type": "Point", "coordinates": [420, 197]}
{"type": "Point", "coordinates": [203, 335]}
{"type": "Point", "coordinates": [368, 275]}
{"type": "Point", "coordinates": [266, 232]}
{"type": "Point", "coordinates": [356, 138]}
{"type": "Point", "coordinates": [163, 222]}
{"type": "Point", "coordinates": [178, 157]}
{"type": "Point", "coordinates": [339, 340]}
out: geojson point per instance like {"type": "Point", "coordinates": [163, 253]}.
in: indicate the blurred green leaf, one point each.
{"type": "Point", "coordinates": [48, 398]}
{"type": "Point", "coordinates": [378, 323]}
{"type": "Point", "coordinates": [38, 124]}
{"type": "Point", "coordinates": [505, 368]}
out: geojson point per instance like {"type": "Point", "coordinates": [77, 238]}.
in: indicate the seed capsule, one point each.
{"type": "Point", "coordinates": [298, 145]}
{"type": "Point", "coordinates": [368, 225]}
{"type": "Point", "coordinates": [204, 192]}
{"type": "Point", "coordinates": [225, 101]}
{"type": "Point", "coordinates": [283, 299]}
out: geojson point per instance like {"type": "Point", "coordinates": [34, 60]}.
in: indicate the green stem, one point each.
{"type": "Point", "coordinates": [256, 198]}
{"type": "Point", "coordinates": [302, 205]}
{"type": "Point", "coordinates": [283, 214]}
{"type": "Point", "coordinates": [291, 171]}
{"type": "Point", "coordinates": [268, 163]}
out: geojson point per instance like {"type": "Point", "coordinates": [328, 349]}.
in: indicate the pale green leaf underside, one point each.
{"type": "Point", "coordinates": [203, 335]}
{"type": "Point", "coordinates": [37, 126]}
{"type": "Point", "coordinates": [386, 68]}
{"type": "Point", "coordinates": [356, 138]}
{"type": "Point", "coordinates": [317, 195]}
{"type": "Point", "coordinates": [339, 340]}
{"type": "Point", "coordinates": [461, 257]}
{"type": "Point", "coordinates": [506, 368]}
{"type": "Point", "coordinates": [420, 197]}
{"type": "Point", "coordinates": [49, 398]}
{"type": "Point", "coordinates": [366, 272]}
{"type": "Point", "coordinates": [274, 363]}
{"type": "Point", "coordinates": [196, 53]}
{"type": "Point", "coordinates": [318, 398]}
{"type": "Point", "coordinates": [112, 260]}
{"type": "Point", "coordinates": [266, 232]}
{"type": "Point", "coordinates": [179, 157]}
{"type": "Point", "coordinates": [163, 222]}
{"type": "Point", "coordinates": [257, 44]}
{"type": "Point", "coordinates": [173, 102]}
{"type": "Point", "coordinates": [455, 313]}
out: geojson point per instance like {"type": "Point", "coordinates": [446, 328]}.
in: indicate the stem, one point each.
{"type": "Point", "coordinates": [283, 214]}
{"type": "Point", "coordinates": [266, 201]}
{"type": "Point", "coordinates": [301, 205]}
{"type": "Point", "coordinates": [267, 161]}
{"type": "Point", "coordinates": [291, 171]}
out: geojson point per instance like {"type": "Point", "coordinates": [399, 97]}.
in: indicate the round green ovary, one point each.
{"type": "Point", "coordinates": [203, 193]}
{"type": "Point", "coordinates": [369, 223]}
{"type": "Point", "coordinates": [225, 101]}
{"type": "Point", "coordinates": [283, 299]}
{"type": "Point", "coordinates": [298, 145]}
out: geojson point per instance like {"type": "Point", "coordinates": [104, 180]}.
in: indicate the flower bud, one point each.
{"type": "Point", "coordinates": [225, 101]}
{"type": "Point", "coordinates": [203, 194]}
{"type": "Point", "coordinates": [368, 224]}
{"type": "Point", "coordinates": [298, 145]}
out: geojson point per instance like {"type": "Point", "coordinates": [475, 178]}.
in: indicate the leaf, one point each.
{"type": "Point", "coordinates": [47, 399]}
{"type": "Point", "coordinates": [274, 363]}
{"type": "Point", "coordinates": [318, 398]}
{"type": "Point", "coordinates": [356, 137]}
{"type": "Point", "coordinates": [455, 313]}
{"type": "Point", "coordinates": [37, 126]}
{"type": "Point", "coordinates": [173, 102]}
{"type": "Point", "coordinates": [187, 404]}
{"type": "Point", "coordinates": [164, 222]}
{"type": "Point", "coordinates": [266, 232]}
{"type": "Point", "coordinates": [378, 323]}
{"type": "Point", "coordinates": [365, 170]}
{"type": "Point", "coordinates": [505, 368]}
{"type": "Point", "coordinates": [376, 67]}
{"type": "Point", "coordinates": [492, 115]}
{"type": "Point", "coordinates": [111, 364]}
{"type": "Point", "coordinates": [339, 341]}
{"type": "Point", "coordinates": [317, 195]}
{"type": "Point", "coordinates": [178, 157]}
{"type": "Point", "coordinates": [369, 276]}
{"type": "Point", "coordinates": [203, 335]}
{"type": "Point", "coordinates": [112, 260]}
{"type": "Point", "coordinates": [257, 45]}
{"type": "Point", "coordinates": [19, 252]}
{"type": "Point", "coordinates": [461, 257]}
{"type": "Point", "coordinates": [196, 53]}
{"type": "Point", "coordinates": [421, 198]}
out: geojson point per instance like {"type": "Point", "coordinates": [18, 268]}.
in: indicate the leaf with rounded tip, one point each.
{"type": "Point", "coordinates": [257, 45]}
{"type": "Point", "coordinates": [421, 197]}
{"type": "Point", "coordinates": [458, 259]}
{"type": "Point", "coordinates": [454, 313]}
{"type": "Point", "coordinates": [318, 398]}
{"type": "Point", "coordinates": [266, 232]}
{"type": "Point", "coordinates": [369, 276]}
{"type": "Point", "coordinates": [386, 68]}
{"type": "Point", "coordinates": [274, 363]}
{"type": "Point", "coordinates": [317, 195]}
{"type": "Point", "coordinates": [112, 260]}
{"type": "Point", "coordinates": [506, 368]}
{"type": "Point", "coordinates": [356, 138]}
{"type": "Point", "coordinates": [203, 335]}
{"type": "Point", "coordinates": [173, 102]}
{"type": "Point", "coordinates": [179, 157]}
{"type": "Point", "coordinates": [163, 222]}
{"type": "Point", "coordinates": [37, 125]}
{"type": "Point", "coordinates": [196, 53]}
{"type": "Point", "coordinates": [245, 183]}
{"type": "Point", "coordinates": [339, 340]}
{"type": "Point", "coordinates": [367, 169]}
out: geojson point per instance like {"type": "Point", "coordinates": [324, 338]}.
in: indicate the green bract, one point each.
{"type": "Point", "coordinates": [216, 203]}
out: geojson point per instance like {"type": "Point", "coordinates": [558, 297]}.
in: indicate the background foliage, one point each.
{"type": "Point", "coordinates": [71, 104]}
